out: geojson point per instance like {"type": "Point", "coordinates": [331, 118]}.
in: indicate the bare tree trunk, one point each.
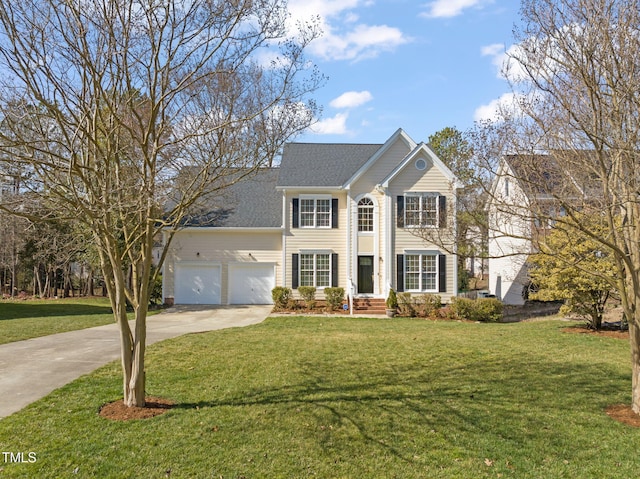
{"type": "Point", "coordinates": [634, 339]}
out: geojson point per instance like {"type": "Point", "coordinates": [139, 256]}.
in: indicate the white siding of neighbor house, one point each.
{"type": "Point", "coordinates": [332, 240]}
{"type": "Point", "coordinates": [508, 246]}
{"type": "Point", "coordinates": [432, 180]}
{"type": "Point", "coordinates": [220, 246]}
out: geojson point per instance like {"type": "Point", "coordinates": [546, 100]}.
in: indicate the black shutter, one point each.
{"type": "Point", "coordinates": [334, 212]}
{"type": "Point", "coordinates": [294, 271]}
{"type": "Point", "coordinates": [442, 211]}
{"type": "Point", "coordinates": [400, 273]}
{"type": "Point", "coordinates": [295, 217]}
{"type": "Point", "coordinates": [400, 211]}
{"type": "Point", "coordinates": [442, 273]}
{"type": "Point", "coordinates": [334, 270]}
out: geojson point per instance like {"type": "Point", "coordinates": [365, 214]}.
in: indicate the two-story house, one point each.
{"type": "Point", "coordinates": [330, 215]}
{"type": "Point", "coordinates": [528, 195]}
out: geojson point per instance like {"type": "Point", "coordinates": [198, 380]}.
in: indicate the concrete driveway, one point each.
{"type": "Point", "coordinates": [31, 369]}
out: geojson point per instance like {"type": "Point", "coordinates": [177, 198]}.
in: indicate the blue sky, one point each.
{"type": "Point", "coordinates": [420, 65]}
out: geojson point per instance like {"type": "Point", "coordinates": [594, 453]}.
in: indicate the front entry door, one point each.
{"type": "Point", "coordinates": [365, 274]}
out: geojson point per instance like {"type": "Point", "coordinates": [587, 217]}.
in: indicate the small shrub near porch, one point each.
{"type": "Point", "coordinates": [422, 306]}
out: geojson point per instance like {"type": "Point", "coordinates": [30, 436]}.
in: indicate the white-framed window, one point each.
{"type": "Point", "coordinates": [315, 212]}
{"type": "Point", "coordinates": [315, 269]}
{"type": "Point", "coordinates": [421, 209]}
{"type": "Point", "coordinates": [421, 272]}
{"type": "Point", "coordinates": [365, 215]}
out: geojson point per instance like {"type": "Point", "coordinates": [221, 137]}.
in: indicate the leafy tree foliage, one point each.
{"type": "Point", "coordinates": [574, 267]}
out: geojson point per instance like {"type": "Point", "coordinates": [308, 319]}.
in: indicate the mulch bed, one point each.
{"type": "Point", "coordinates": [624, 414]}
{"type": "Point", "coordinates": [117, 411]}
{"type": "Point", "coordinates": [610, 333]}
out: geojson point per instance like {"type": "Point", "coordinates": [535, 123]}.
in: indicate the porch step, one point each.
{"type": "Point", "coordinates": [369, 306]}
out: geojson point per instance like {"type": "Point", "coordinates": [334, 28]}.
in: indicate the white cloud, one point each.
{"type": "Point", "coordinates": [343, 37]}
{"type": "Point", "coordinates": [351, 99]}
{"type": "Point", "coordinates": [509, 106]}
{"type": "Point", "coordinates": [492, 50]}
{"type": "Point", "coordinates": [449, 8]}
{"type": "Point", "coordinates": [331, 126]}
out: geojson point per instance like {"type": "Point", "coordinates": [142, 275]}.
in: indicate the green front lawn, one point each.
{"type": "Point", "coordinates": [348, 398]}
{"type": "Point", "coordinates": [33, 318]}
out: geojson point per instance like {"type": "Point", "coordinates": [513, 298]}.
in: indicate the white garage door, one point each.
{"type": "Point", "coordinates": [197, 284]}
{"type": "Point", "coordinates": [251, 283]}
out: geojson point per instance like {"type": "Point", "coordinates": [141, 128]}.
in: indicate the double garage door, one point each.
{"type": "Point", "coordinates": [249, 283]}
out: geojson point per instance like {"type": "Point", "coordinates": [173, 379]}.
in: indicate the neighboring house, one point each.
{"type": "Point", "coordinates": [330, 215]}
{"type": "Point", "coordinates": [527, 193]}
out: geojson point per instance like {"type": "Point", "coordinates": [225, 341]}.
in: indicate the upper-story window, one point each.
{"type": "Point", "coordinates": [365, 215]}
{"type": "Point", "coordinates": [421, 210]}
{"type": "Point", "coordinates": [315, 211]}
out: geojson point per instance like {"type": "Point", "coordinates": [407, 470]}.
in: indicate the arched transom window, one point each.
{"type": "Point", "coordinates": [365, 214]}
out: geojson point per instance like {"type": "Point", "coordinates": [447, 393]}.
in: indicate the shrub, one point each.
{"type": "Point", "coordinates": [406, 305]}
{"type": "Point", "coordinates": [490, 309]}
{"type": "Point", "coordinates": [334, 297]}
{"type": "Point", "coordinates": [484, 309]}
{"type": "Point", "coordinates": [281, 297]}
{"type": "Point", "coordinates": [428, 305]}
{"type": "Point", "coordinates": [308, 294]}
{"type": "Point", "coordinates": [392, 300]}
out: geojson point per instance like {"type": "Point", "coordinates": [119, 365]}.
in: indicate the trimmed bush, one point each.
{"type": "Point", "coordinates": [334, 298]}
{"type": "Point", "coordinates": [488, 310]}
{"type": "Point", "coordinates": [428, 305]}
{"type": "Point", "coordinates": [405, 305]}
{"type": "Point", "coordinates": [308, 294]}
{"type": "Point", "coordinates": [281, 297]}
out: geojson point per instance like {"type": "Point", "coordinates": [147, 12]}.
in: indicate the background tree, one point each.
{"type": "Point", "coordinates": [130, 112]}
{"type": "Point", "coordinates": [573, 267]}
{"type": "Point", "coordinates": [576, 90]}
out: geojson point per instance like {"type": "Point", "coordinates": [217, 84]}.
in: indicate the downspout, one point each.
{"type": "Point", "coordinates": [349, 261]}
{"type": "Point", "coordinates": [284, 238]}
{"type": "Point", "coordinates": [455, 242]}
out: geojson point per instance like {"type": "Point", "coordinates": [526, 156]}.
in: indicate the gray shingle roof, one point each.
{"type": "Point", "coordinates": [252, 202]}
{"type": "Point", "coordinates": [322, 164]}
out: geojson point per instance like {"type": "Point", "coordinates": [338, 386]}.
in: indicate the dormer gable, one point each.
{"type": "Point", "coordinates": [422, 158]}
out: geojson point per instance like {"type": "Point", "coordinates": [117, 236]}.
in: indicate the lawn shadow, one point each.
{"type": "Point", "coordinates": [34, 309]}
{"type": "Point", "coordinates": [463, 402]}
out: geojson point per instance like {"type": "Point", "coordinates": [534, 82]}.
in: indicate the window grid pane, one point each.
{"type": "Point", "coordinates": [306, 270]}
{"type": "Point", "coordinates": [323, 270]}
{"type": "Point", "coordinates": [412, 272]}
{"type": "Point", "coordinates": [307, 213]}
{"type": "Point", "coordinates": [430, 210]}
{"type": "Point", "coordinates": [323, 213]}
{"type": "Point", "coordinates": [428, 272]}
{"type": "Point", "coordinates": [412, 210]}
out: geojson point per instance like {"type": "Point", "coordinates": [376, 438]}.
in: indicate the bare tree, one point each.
{"type": "Point", "coordinates": [574, 135]}
{"type": "Point", "coordinates": [131, 111]}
